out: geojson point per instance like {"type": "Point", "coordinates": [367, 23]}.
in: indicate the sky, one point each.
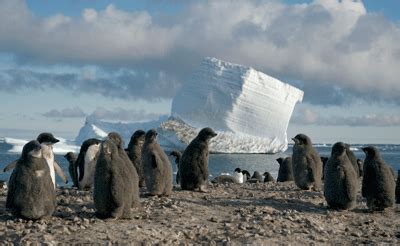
{"type": "Point", "coordinates": [61, 61]}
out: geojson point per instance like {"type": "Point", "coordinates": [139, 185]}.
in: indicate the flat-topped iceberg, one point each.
{"type": "Point", "coordinates": [249, 109]}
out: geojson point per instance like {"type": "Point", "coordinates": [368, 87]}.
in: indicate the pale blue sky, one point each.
{"type": "Point", "coordinates": [62, 60]}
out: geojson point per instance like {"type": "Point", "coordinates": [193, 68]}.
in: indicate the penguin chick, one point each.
{"type": "Point", "coordinates": [307, 165]}
{"type": "Point", "coordinates": [341, 180]}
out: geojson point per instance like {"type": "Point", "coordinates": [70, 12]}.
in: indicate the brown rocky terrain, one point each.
{"type": "Point", "coordinates": [265, 213]}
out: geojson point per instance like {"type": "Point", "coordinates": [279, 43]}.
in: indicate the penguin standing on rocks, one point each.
{"type": "Point", "coordinates": [341, 180]}
{"type": "Point", "coordinates": [256, 178]}
{"type": "Point", "coordinates": [113, 190]}
{"type": "Point", "coordinates": [134, 151]}
{"type": "Point", "coordinates": [156, 166]}
{"type": "Point", "coordinates": [86, 163]}
{"type": "Point", "coordinates": [285, 172]}
{"type": "Point", "coordinates": [239, 175]}
{"type": "Point", "coordinates": [71, 158]}
{"type": "Point", "coordinates": [378, 185]}
{"type": "Point", "coordinates": [178, 155]}
{"type": "Point", "coordinates": [268, 177]}
{"type": "Point", "coordinates": [47, 140]}
{"type": "Point", "coordinates": [131, 170]}
{"type": "Point", "coordinates": [307, 165]}
{"type": "Point", "coordinates": [194, 163]}
{"type": "Point", "coordinates": [246, 175]}
{"type": "Point", "coordinates": [31, 193]}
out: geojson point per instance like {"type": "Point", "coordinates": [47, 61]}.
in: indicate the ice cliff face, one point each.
{"type": "Point", "coordinates": [248, 107]}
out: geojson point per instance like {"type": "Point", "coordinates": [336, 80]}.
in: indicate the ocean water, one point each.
{"type": "Point", "coordinates": [226, 163]}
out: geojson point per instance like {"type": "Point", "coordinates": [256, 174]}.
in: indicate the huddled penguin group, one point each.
{"type": "Point", "coordinates": [116, 174]}
{"type": "Point", "coordinates": [341, 173]}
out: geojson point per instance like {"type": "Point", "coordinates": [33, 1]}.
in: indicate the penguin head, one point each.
{"type": "Point", "coordinates": [206, 133]}
{"type": "Point", "coordinates": [245, 172]}
{"type": "Point", "coordinates": [175, 153]}
{"type": "Point", "coordinates": [114, 136]}
{"type": "Point", "coordinates": [280, 160]}
{"type": "Point", "coordinates": [138, 136]}
{"type": "Point", "coordinates": [88, 142]}
{"type": "Point", "coordinates": [256, 174]}
{"type": "Point", "coordinates": [238, 170]}
{"type": "Point", "coordinates": [371, 151]}
{"type": "Point", "coordinates": [151, 135]}
{"type": "Point", "coordinates": [32, 149]}
{"type": "Point", "coordinates": [338, 148]}
{"type": "Point", "coordinates": [70, 156]}
{"type": "Point", "coordinates": [301, 139]}
{"type": "Point", "coordinates": [47, 138]}
{"type": "Point", "coordinates": [108, 148]}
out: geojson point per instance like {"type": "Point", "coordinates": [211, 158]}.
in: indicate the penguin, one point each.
{"type": "Point", "coordinates": [193, 167]}
{"type": "Point", "coordinates": [341, 180]}
{"type": "Point", "coordinates": [246, 175]}
{"type": "Point", "coordinates": [306, 164]}
{"type": "Point", "coordinates": [112, 193]}
{"type": "Point", "coordinates": [86, 163]}
{"type": "Point", "coordinates": [268, 177]}
{"type": "Point", "coordinates": [223, 179]}
{"type": "Point", "coordinates": [31, 193]}
{"type": "Point", "coordinates": [71, 158]}
{"type": "Point", "coordinates": [178, 155]}
{"type": "Point", "coordinates": [134, 151]}
{"type": "Point", "coordinates": [131, 173]}
{"type": "Point", "coordinates": [378, 185]}
{"type": "Point", "coordinates": [46, 140]}
{"type": "Point", "coordinates": [239, 175]}
{"type": "Point", "coordinates": [285, 172]}
{"type": "Point", "coordinates": [156, 166]}
{"type": "Point", "coordinates": [353, 159]}
{"type": "Point", "coordinates": [256, 178]}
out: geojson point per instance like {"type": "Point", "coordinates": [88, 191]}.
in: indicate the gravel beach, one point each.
{"type": "Point", "coordinates": [261, 213]}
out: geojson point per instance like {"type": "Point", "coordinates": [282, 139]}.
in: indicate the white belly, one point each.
{"type": "Point", "coordinates": [89, 166]}
{"type": "Point", "coordinates": [47, 152]}
{"type": "Point", "coordinates": [239, 177]}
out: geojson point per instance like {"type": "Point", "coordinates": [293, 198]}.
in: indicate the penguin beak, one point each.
{"type": "Point", "coordinates": [364, 150]}
{"type": "Point", "coordinates": [295, 140]}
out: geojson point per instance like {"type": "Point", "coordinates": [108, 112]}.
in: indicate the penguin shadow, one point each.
{"type": "Point", "coordinates": [279, 204]}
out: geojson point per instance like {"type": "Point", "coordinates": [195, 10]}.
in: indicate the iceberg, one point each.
{"type": "Point", "coordinates": [250, 110]}
{"type": "Point", "coordinates": [95, 128]}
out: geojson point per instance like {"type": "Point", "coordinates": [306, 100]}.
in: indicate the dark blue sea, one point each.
{"type": "Point", "coordinates": [226, 163]}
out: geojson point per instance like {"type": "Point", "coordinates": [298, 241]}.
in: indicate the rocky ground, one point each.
{"type": "Point", "coordinates": [229, 214]}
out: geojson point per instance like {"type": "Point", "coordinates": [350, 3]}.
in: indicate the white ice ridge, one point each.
{"type": "Point", "coordinates": [249, 109]}
{"type": "Point", "coordinates": [61, 147]}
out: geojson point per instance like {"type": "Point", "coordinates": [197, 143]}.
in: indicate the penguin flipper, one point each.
{"type": "Point", "coordinates": [60, 172]}
{"type": "Point", "coordinates": [10, 166]}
